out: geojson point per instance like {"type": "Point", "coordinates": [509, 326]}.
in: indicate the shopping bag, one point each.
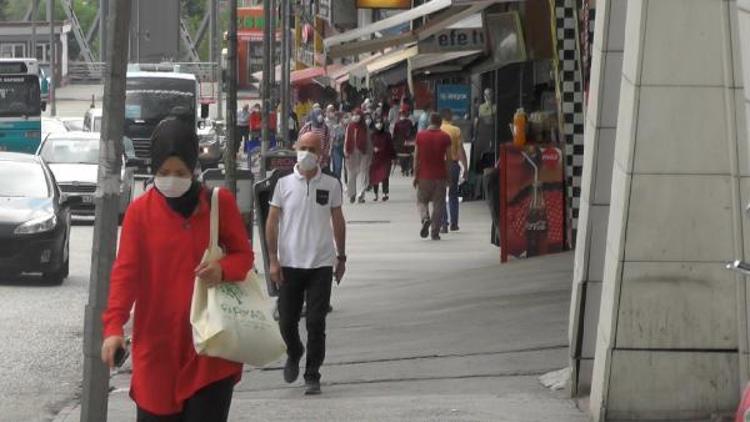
{"type": "Point", "coordinates": [233, 321]}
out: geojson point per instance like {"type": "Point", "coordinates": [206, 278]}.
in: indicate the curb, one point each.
{"type": "Point", "coordinates": [66, 412]}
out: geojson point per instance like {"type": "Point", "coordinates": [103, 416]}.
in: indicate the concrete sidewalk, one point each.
{"type": "Point", "coordinates": [423, 331]}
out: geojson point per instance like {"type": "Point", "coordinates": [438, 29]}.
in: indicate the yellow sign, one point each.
{"type": "Point", "coordinates": [384, 4]}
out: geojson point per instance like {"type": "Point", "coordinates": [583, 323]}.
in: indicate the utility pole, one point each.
{"type": "Point", "coordinates": [107, 197]}
{"type": "Point", "coordinates": [104, 7]}
{"type": "Point", "coordinates": [52, 56]}
{"type": "Point", "coordinates": [216, 57]}
{"type": "Point", "coordinates": [286, 50]}
{"type": "Point", "coordinates": [230, 157]}
{"type": "Point", "coordinates": [266, 85]}
{"type": "Point", "coordinates": [274, 29]}
{"type": "Point", "coordinates": [34, 6]}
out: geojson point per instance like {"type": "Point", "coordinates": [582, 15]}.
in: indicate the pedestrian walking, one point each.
{"type": "Point", "coordinates": [383, 155]}
{"type": "Point", "coordinates": [306, 240]}
{"type": "Point", "coordinates": [338, 133]}
{"type": "Point", "coordinates": [164, 236]}
{"type": "Point", "coordinates": [404, 132]}
{"type": "Point", "coordinates": [358, 153]}
{"type": "Point", "coordinates": [424, 119]}
{"type": "Point", "coordinates": [432, 157]}
{"type": "Point", "coordinates": [243, 126]}
{"type": "Point", "coordinates": [457, 162]}
{"type": "Point", "coordinates": [317, 125]}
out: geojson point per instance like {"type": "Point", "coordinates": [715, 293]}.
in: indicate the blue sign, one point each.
{"type": "Point", "coordinates": [455, 97]}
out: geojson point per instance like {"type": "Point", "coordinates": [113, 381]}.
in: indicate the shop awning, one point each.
{"type": "Point", "coordinates": [395, 20]}
{"type": "Point", "coordinates": [391, 59]}
{"type": "Point", "coordinates": [427, 60]}
{"type": "Point", "coordinates": [303, 76]}
{"type": "Point", "coordinates": [336, 46]}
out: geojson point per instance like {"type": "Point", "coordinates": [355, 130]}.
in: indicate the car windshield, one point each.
{"type": "Point", "coordinates": [19, 96]}
{"type": "Point", "coordinates": [157, 104]}
{"type": "Point", "coordinates": [23, 180]}
{"type": "Point", "coordinates": [74, 125]}
{"type": "Point", "coordinates": [71, 151]}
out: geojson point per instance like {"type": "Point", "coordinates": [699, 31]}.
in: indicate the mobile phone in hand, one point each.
{"type": "Point", "coordinates": [121, 355]}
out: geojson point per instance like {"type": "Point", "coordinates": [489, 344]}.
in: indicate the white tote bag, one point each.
{"type": "Point", "coordinates": [233, 321]}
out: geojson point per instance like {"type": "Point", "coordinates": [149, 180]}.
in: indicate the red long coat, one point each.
{"type": "Point", "coordinates": [382, 156]}
{"type": "Point", "coordinates": [159, 251]}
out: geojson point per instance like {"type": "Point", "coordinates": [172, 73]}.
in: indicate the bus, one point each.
{"type": "Point", "coordinates": [152, 93]}
{"type": "Point", "coordinates": [20, 105]}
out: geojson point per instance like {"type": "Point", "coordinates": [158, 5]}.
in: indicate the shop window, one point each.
{"type": "Point", "coordinates": [12, 50]}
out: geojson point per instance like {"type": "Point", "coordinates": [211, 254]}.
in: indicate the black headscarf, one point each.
{"type": "Point", "coordinates": [174, 137]}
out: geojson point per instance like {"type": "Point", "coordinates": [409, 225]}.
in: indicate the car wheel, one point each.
{"type": "Point", "coordinates": [57, 277]}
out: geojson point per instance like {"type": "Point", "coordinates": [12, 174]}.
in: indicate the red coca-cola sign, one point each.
{"type": "Point", "coordinates": [550, 157]}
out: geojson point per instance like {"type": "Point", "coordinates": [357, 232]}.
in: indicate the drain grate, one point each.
{"type": "Point", "coordinates": [363, 222]}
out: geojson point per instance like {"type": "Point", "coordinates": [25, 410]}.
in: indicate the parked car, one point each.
{"type": "Point", "coordinates": [92, 120]}
{"type": "Point", "coordinates": [211, 145]}
{"type": "Point", "coordinates": [34, 219]}
{"type": "Point", "coordinates": [73, 124]}
{"type": "Point", "coordinates": [73, 158]}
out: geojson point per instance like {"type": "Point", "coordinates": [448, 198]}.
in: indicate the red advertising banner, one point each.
{"type": "Point", "coordinates": [532, 201]}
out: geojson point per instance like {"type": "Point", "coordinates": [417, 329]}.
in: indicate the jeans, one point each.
{"type": "Point", "coordinates": [452, 210]}
{"type": "Point", "coordinates": [314, 287]}
{"type": "Point", "coordinates": [210, 404]}
{"type": "Point", "coordinates": [337, 160]}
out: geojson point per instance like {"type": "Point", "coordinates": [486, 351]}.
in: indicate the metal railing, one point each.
{"type": "Point", "coordinates": [79, 72]}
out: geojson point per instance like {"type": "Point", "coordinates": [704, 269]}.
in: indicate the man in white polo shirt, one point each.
{"type": "Point", "coordinates": [304, 223]}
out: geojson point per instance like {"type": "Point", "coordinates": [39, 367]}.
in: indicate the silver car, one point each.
{"type": "Point", "coordinates": [73, 158]}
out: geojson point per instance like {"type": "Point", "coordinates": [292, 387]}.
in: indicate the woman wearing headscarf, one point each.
{"type": "Point", "coordinates": [357, 150]}
{"type": "Point", "coordinates": [164, 236]}
{"type": "Point", "coordinates": [317, 124]}
{"type": "Point", "coordinates": [337, 128]}
{"type": "Point", "coordinates": [383, 155]}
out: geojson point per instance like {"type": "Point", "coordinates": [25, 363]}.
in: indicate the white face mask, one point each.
{"type": "Point", "coordinates": [307, 160]}
{"type": "Point", "coordinates": [172, 187]}
{"type": "Point", "coordinates": [355, 119]}
{"type": "Point", "coordinates": [378, 126]}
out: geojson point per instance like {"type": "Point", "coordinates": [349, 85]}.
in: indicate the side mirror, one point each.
{"type": "Point", "coordinates": [134, 162]}
{"type": "Point", "coordinates": [44, 106]}
{"type": "Point", "coordinates": [69, 201]}
{"type": "Point", "coordinates": [204, 111]}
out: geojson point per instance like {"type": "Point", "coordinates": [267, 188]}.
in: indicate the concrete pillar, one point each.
{"type": "Point", "coordinates": [742, 96]}
{"type": "Point", "coordinates": [668, 334]}
{"type": "Point", "coordinates": [598, 158]}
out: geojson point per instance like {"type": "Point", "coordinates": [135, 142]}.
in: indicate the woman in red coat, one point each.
{"type": "Point", "coordinates": [383, 154]}
{"type": "Point", "coordinates": [163, 238]}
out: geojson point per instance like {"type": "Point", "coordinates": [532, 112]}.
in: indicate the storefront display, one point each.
{"type": "Point", "coordinates": [531, 200]}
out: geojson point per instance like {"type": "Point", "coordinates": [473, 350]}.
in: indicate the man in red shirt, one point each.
{"type": "Point", "coordinates": [431, 159]}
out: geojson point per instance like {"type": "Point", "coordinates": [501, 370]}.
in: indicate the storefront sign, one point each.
{"type": "Point", "coordinates": [324, 10]}
{"type": "Point", "coordinates": [456, 39]}
{"type": "Point", "coordinates": [457, 98]}
{"type": "Point", "coordinates": [384, 4]}
{"type": "Point", "coordinates": [505, 40]}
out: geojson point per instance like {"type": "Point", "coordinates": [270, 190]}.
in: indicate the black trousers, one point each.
{"type": "Point", "coordinates": [209, 404]}
{"type": "Point", "coordinates": [314, 287]}
{"type": "Point", "coordinates": [386, 183]}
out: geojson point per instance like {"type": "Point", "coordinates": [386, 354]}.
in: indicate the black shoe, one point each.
{"type": "Point", "coordinates": [291, 369]}
{"type": "Point", "coordinates": [425, 229]}
{"type": "Point", "coordinates": [444, 229]}
{"type": "Point", "coordinates": [376, 198]}
{"type": "Point", "coordinates": [312, 388]}
{"type": "Point", "coordinates": [385, 198]}
{"type": "Point", "coordinates": [352, 199]}
{"type": "Point", "coordinates": [361, 200]}
{"type": "Point", "coordinates": [435, 236]}
{"type": "Point", "coordinates": [454, 228]}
